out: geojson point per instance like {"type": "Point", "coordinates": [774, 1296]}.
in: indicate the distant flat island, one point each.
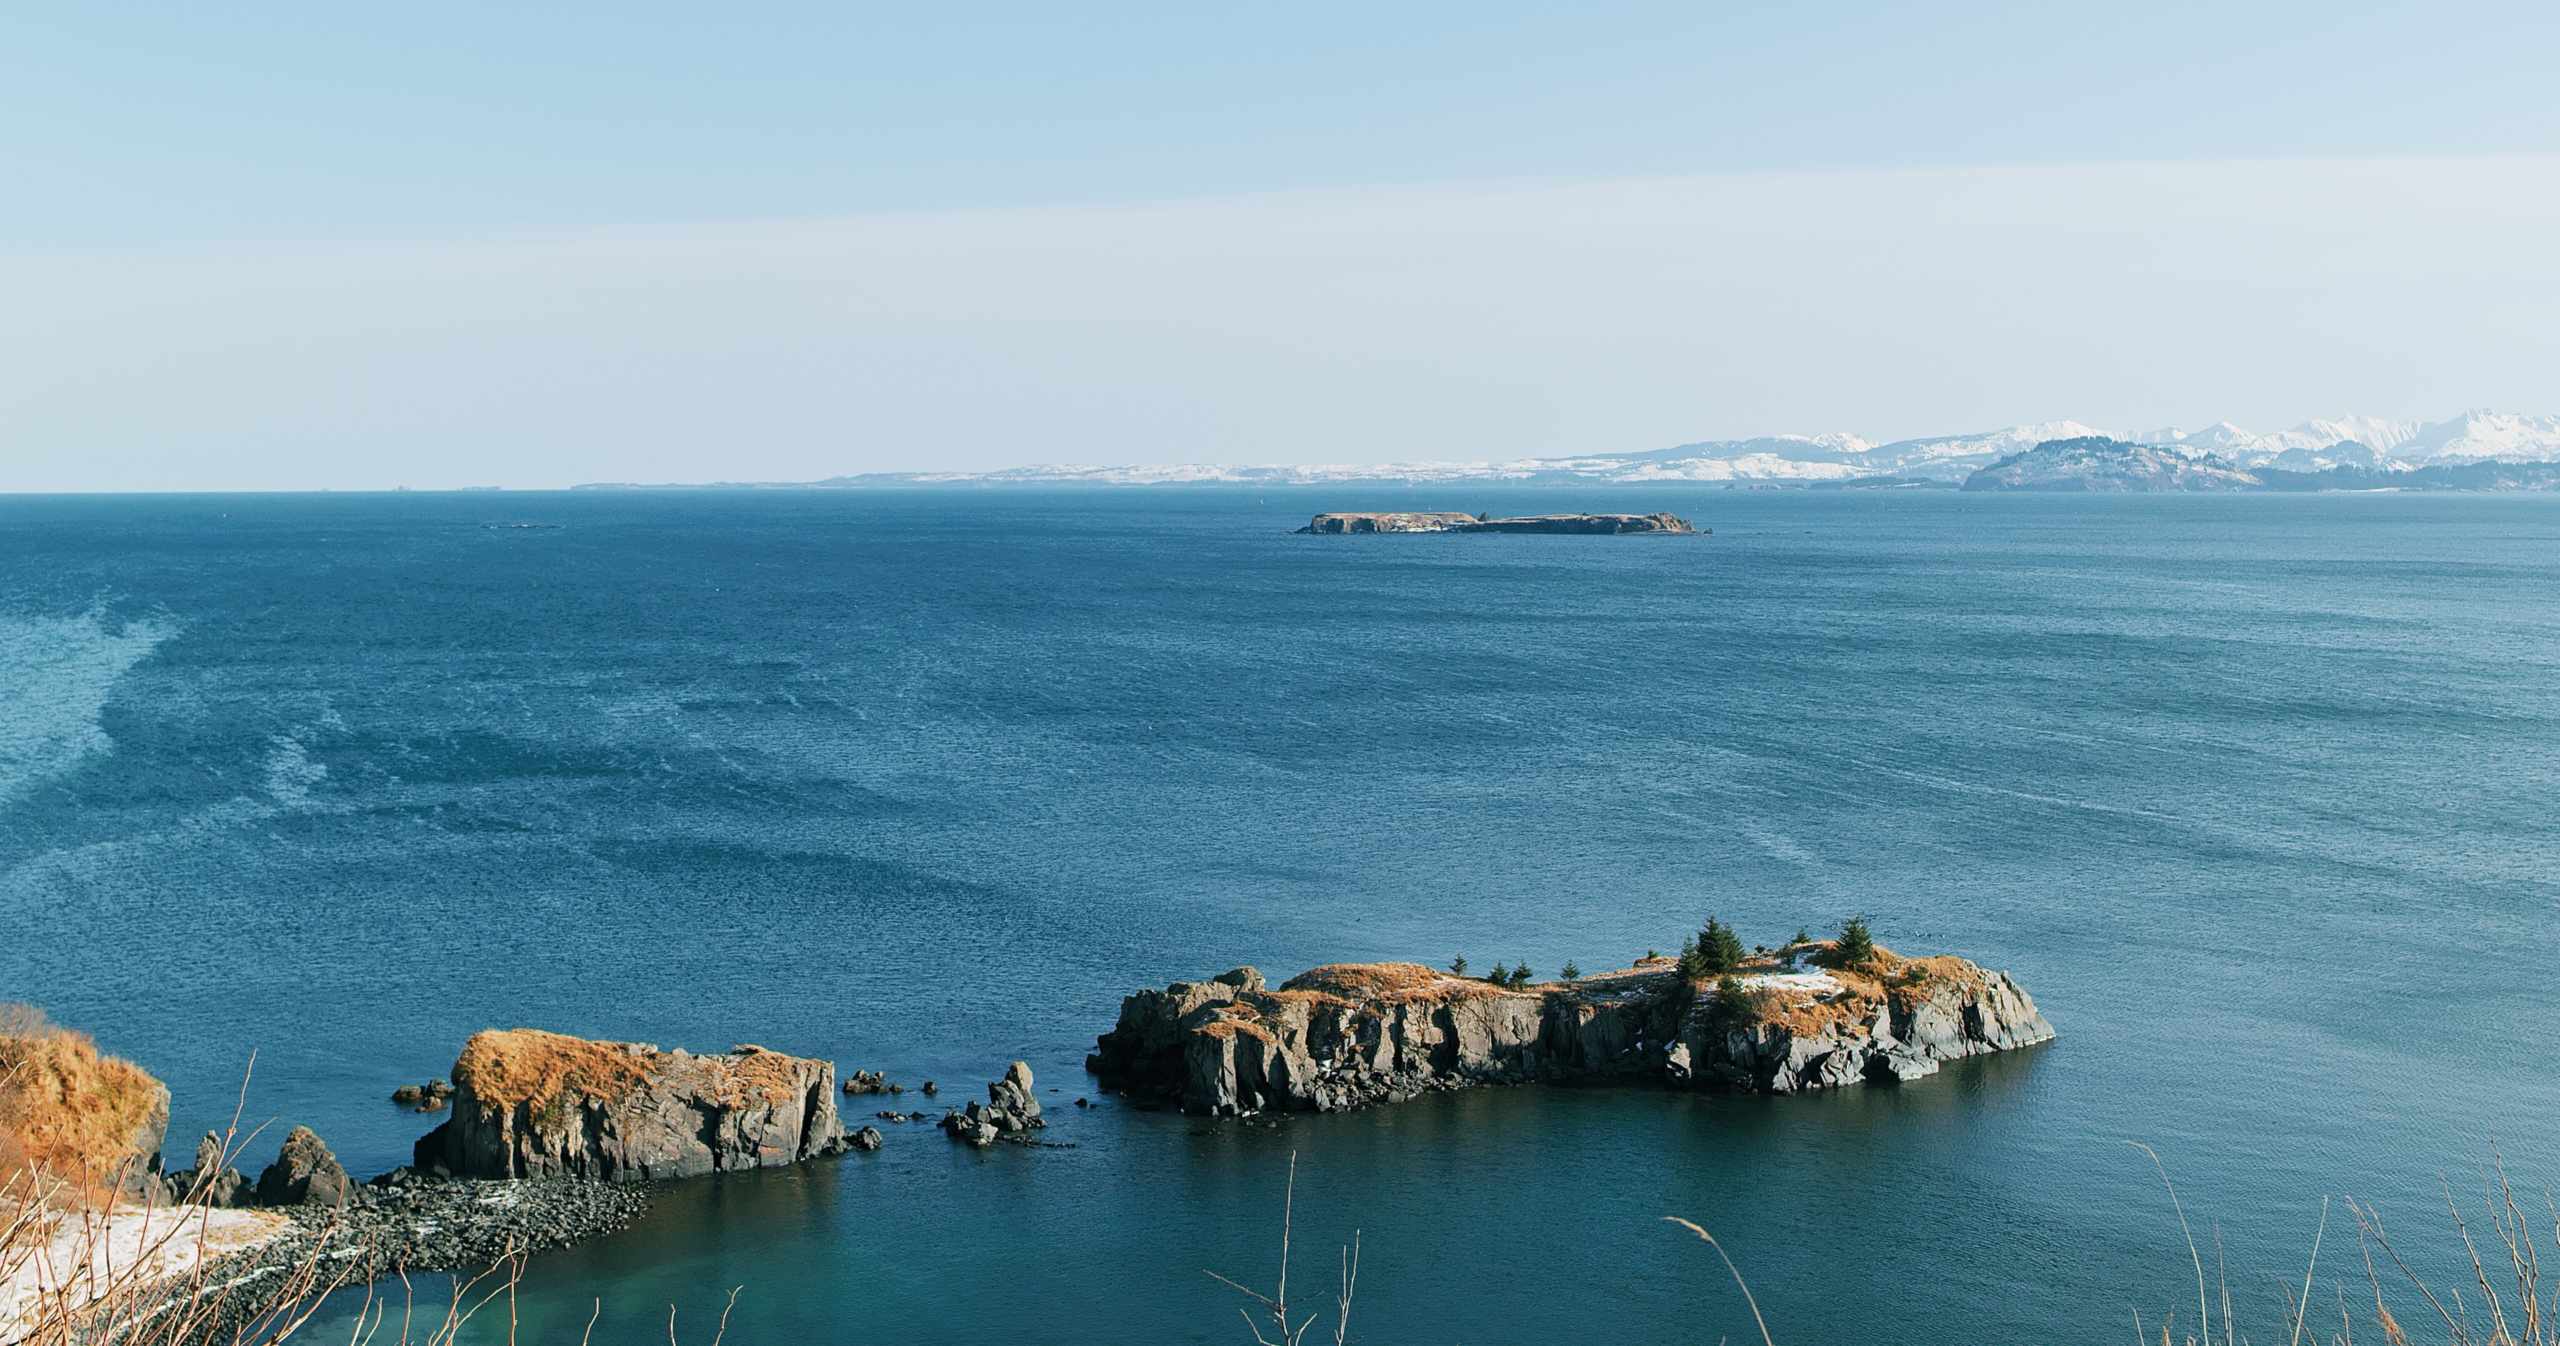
{"type": "Point", "coordinates": [1479, 523]}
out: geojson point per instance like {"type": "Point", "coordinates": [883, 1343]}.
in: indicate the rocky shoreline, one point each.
{"type": "Point", "coordinates": [461, 1224]}
{"type": "Point", "coordinates": [553, 1140]}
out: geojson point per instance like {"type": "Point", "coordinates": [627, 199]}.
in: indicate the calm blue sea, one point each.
{"type": "Point", "coordinates": [2256, 795]}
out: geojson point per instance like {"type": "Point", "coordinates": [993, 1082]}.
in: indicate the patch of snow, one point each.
{"type": "Point", "coordinates": [94, 1253]}
{"type": "Point", "coordinates": [1794, 983]}
{"type": "Point", "coordinates": [2476, 436]}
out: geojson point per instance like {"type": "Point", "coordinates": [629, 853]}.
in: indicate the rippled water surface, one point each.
{"type": "Point", "coordinates": [2255, 795]}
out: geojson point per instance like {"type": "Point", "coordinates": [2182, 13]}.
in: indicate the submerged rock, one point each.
{"type": "Point", "coordinates": [530, 1104]}
{"type": "Point", "coordinates": [1352, 1035]}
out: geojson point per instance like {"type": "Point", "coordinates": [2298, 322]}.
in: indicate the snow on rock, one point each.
{"type": "Point", "coordinates": [89, 1254]}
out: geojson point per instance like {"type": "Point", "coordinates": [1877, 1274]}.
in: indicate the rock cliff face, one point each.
{"type": "Point", "coordinates": [1580, 523]}
{"type": "Point", "coordinates": [1468, 523]}
{"type": "Point", "coordinates": [1351, 1035]}
{"type": "Point", "coordinates": [1386, 523]}
{"type": "Point", "coordinates": [529, 1104]}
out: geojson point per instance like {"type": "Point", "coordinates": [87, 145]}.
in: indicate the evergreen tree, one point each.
{"type": "Point", "coordinates": [1856, 946]}
{"type": "Point", "coordinates": [1572, 973]}
{"type": "Point", "coordinates": [1458, 966]}
{"type": "Point", "coordinates": [1693, 966]}
{"type": "Point", "coordinates": [1520, 974]}
{"type": "Point", "coordinates": [1719, 949]}
{"type": "Point", "coordinates": [1498, 976]}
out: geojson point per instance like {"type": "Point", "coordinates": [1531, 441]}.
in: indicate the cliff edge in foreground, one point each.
{"type": "Point", "coordinates": [1354, 1034]}
{"type": "Point", "coordinates": [530, 1104]}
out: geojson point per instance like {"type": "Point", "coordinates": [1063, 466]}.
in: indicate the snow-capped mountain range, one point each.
{"type": "Point", "coordinates": [2352, 441]}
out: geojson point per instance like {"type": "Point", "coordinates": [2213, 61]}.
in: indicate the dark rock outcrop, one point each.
{"type": "Point", "coordinates": [1353, 1035]}
{"type": "Point", "coordinates": [529, 1104]}
{"type": "Point", "coordinates": [305, 1173]}
{"type": "Point", "coordinates": [211, 1182]}
{"type": "Point", "coordinates": [1468, 523]}
{"type": "Point", "coordinates": [1011, 1112]}
{"type": "Point", "coordinates": [1580, 523]}
{"type": "Point", "coordinates": [432, 1096]}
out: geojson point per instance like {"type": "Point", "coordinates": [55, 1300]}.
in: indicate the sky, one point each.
{"type": "Point", "coordinates": [298, 246]}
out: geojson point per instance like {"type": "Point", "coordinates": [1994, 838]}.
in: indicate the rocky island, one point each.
{"type": "Point", "coordinates": [1812, 1015]}
{"type": "Point", "coordinates": [1480, 523]}
{"type": "Point", "coordinates": [530, 1104]}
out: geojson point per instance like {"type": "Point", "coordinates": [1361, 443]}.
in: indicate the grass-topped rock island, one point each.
{"type": "Point", "coordinates": [1810, 1015]}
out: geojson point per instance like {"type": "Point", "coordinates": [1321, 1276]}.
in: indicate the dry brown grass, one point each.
{"type": "Point", "coordinates": [513, 1067]}
{"type": "Point", "coordinates": [1382, 983]}
{"type": "Point", "coordinates": [756, 1073]}
{"type": "Point", "coordinates": [526, 1067]}
{"type": "Point", "coordinates": [66, 1111]}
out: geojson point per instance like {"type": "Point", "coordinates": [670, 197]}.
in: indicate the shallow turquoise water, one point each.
{"type": "Point", "coordinates": [2253, 794]}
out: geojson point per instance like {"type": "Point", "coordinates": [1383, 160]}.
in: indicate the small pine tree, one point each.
{"type": "Point", "coordinates": [1718, 947]}
{"type": "Point", "coordinates": [1693, 966]}
{"type": "Point", "coordinates": [1520, 974]}
{"type": "Point", "coordinates": [1801, 938]}
{"type": "Point", "coordinates": [1732, 1001]}
{"type": "Point", "coordinates": [1650, 955]}
{"type": "Point", "coordinates": [1458, 966]}
{"type": "Point", "coordinates": [1572, 973]}
{"type": "Point", "coordinates": [1856, 947]}
{"type": "Point", "coordinates": [1498, 976]}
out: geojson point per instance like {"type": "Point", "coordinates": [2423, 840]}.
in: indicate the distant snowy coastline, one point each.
{"type": "Point", "coordinates": [2363, 443]}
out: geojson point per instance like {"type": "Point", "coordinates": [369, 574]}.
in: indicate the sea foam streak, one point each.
{"type": "Point", "coordinates": [56, 674]}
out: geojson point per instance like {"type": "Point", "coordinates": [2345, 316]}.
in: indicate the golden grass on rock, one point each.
{"type": "Point", "coordinates": [513, 1067]}
{"type": "Point", "coordinates": [526, 1067]}
{"type": "Point", "coordinates": [65, 1110]}
{"type": "Point", "coordinates": [759, 1074]}
{"type": "Point", "coordinates": [1383, 983]}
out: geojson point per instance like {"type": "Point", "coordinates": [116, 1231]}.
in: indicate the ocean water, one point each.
{"type": "Point", "coordinates": [2255, 795]}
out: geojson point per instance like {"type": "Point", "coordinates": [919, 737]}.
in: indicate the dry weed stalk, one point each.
{"type": "Point", "coordinates": [2519, 1313]}
{"type": "Point", "coordinates": [1276, 1304]}
{"type": "Point", "coordinates": [1747, 1296]}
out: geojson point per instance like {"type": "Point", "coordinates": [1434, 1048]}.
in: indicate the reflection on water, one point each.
{"type": "Point", "coordinates": [1494, 1214]}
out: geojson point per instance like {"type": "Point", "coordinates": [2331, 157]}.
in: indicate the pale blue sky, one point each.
{"type": "Point", "coordinates": [324, 245]}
